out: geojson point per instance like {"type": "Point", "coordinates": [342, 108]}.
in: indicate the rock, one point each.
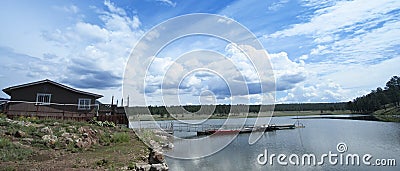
{"type": "Point", "coordinates": [84, 143]}
{"type": "Point", "coordinates": [50, 139]}
{"type": "Point", "coordinates": [66, 135]}
{"type": "Point", "coordinates": [74, 136]}
{"type": "Point", "coordinates": [168, 146]}
{"type": "Point", "coordinates": [85, 135]}
{"type": "Point", "coordinates": [68, 140]}
{"type": "Point", "coordinates": [156, 157]}
{"type": "Point", "coordinates": [20, 134]}
{"type": "Point", "coordinates": [81, 129]}
{"type": "Point", "coordinates": [79, 144]}
{"type": "Point", "coordinates": [46, 130]}
{"type": "Point", "coordinates": [154, 144]}
{"type": "Point", "coordinates": [142, 167]}
{"type": "Point", "coordinates": [159, 167]}
{"type": "Point", "coordinates": [27, 139]}
{"type": "Point", "coordinates": [71, 128]}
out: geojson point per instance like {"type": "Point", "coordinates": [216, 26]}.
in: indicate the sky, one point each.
{"type": "Point", "coordinates": [319, 50]}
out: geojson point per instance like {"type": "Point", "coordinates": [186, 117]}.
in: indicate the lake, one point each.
{"type": "Point", "coordinates": [370, 140]}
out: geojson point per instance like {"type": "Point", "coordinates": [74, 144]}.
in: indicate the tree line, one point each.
{"type": "Point", "coordinates": [224, 109]}
{"type": "Point", "coordinates": [381, 98]}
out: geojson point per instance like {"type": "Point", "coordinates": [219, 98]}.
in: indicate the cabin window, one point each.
{"type": "Point", "coordinates": [84, 104]}
{"type": "Point", "coordinates": [43, 99]}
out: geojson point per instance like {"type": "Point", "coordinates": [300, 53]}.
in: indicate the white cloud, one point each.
{"type": "Point", "coordinates": [277, 5]}
{"type": "Point", "coordinates": [97, 52]}
{"type": "Point", "coordinates": [331, 19]}
{"type": "Point", "coordinates": [354, 49]}
{"type": "Point", "coordinates": [323, 91]}
{"type": "Point", "coordinates": [69, 9]}
{"type": "Point", "coordinates": [350, 31]}
{"type": "Point", "coordinates": [287, 72]}
{"type": "Point", "coordinates": [318, 50]}
{"type": "Point", "coordinates": [114, 9]}
{"type": "Point", "coordinates": [303, 57]}
{"type": "Point", "coordinates": [169, 2]}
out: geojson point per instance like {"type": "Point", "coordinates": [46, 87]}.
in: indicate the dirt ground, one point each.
{"type": "Point", "coordinates": [108, 153]}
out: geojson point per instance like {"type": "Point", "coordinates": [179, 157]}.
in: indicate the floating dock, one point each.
{"type": "Point", "coordinates": [263, 128]}
{"type": "Point", "coordinates": [207, 129]}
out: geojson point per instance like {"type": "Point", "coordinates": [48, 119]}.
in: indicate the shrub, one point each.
{"type": "Point", "coordinates": [120, 137]}
{"type": "Point", "coordinates": [72, 148]}
{"type": "Point", "coordinates": [5, 142]}
{"type": "Point", "coordinates": [105, 139]}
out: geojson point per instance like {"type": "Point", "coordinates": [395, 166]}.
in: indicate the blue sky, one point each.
{"type": "Point", "coordinates": [320, 51]}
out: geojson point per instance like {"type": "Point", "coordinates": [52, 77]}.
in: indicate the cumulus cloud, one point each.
{"type": "Point", "coordinates": [349, 31]}
{"type": "Point", "coordinates": [97, 53]}
{"type": "Point", "coordinates": [345, 36]}
{"type": "Point", "coordinates": [287, 72]}
{"type": "Point", "coordinates": [230, 77]}
{"type": "Point", "coordinates": [338, 16]}
{"type": "Point", "coordinates": [31, 66]}
{"type": "Point", "coordinates": [323, 91]}
{"type": "Point", "coordinates": [227, 77]}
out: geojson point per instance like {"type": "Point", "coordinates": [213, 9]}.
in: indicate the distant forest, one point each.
{"type": "Point", "coordinates": [381, 98]}
{"type": "Point", "coordinates": [226, 109]}
{"type": "Point", "coordinates": [240, 108]}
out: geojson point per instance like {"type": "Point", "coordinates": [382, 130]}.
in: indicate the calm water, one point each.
{"type": "Point", "coordinates": [380, 139]}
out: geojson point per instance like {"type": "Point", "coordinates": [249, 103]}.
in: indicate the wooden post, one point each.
{"type": "Point", "coordinates": [7, 107]}
{"type": "Point", "coordinates": [63, 114]}
{"type": "Point", "coordinates": [128, 102]}
{"type": "Point", "coordinates": [112, 100]}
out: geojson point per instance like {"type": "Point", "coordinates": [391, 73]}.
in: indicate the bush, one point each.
{"type": "Point", "coordinates": [94, 121]}
{"type": "Point", "coordinates": [5, 142]}
{"type": "Point", "coordinates": [120, 137]}
{"type": "Point", "coordinates": [105, 139]}
{"type": "Point", "coordinates": [108, 124]}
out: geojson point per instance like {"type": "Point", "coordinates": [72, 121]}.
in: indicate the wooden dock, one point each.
{"type": "Point", "coordinates": [249, 129]}
{"type": "Point", "coordinates": [208, 129]}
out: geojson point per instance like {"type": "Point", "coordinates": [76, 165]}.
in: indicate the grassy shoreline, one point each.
{"type": "Point", "coordinates": [390, 115]}
{"type": "Point", "coordinates": [242, 115]}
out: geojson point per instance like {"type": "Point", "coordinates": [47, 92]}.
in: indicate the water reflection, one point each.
{"type": "Point", "coordinates": [381, 139]}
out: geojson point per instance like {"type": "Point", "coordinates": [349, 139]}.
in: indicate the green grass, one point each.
{"type": "Point", "coordinates": [113, 141]}
{"type": "Point", "coordinates": [11, 152]}
{"type": "Point", "coordinates": [120, 137]}
{"type": "Point", "coordinates": [250, 115]}
{"type": "Point", "coordinates": [390, 114]}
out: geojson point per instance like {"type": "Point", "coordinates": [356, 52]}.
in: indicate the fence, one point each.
{"type": "Point", "coordinates": [51, 110]}
{"type": "Point", "coordinates": [14, 109]}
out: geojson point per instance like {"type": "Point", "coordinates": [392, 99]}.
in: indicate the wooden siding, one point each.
{"type": "Point", "coordinates": [58, 94]}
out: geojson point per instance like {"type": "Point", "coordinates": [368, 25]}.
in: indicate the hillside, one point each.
{"type": "Point", "coordinates": [28, 143]}
{"type": "Point", "coordinates": [389, 114]}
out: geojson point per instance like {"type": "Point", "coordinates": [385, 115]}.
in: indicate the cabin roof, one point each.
{"type": "Point", "coordinates": [9, 89]}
